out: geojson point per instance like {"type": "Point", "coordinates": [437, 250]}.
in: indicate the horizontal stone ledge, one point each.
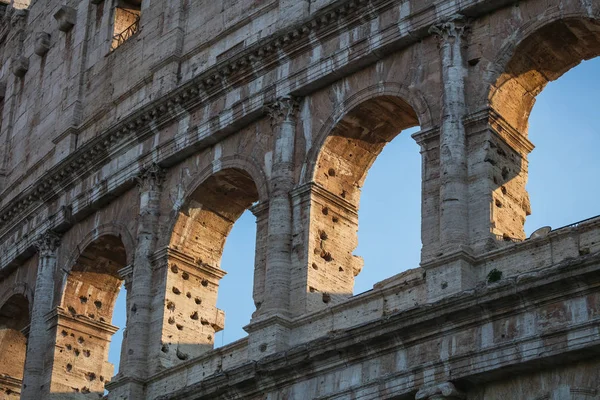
{"type": "Point", "coordinates": [463, 314]}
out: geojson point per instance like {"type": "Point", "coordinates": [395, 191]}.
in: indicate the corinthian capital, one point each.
{"type": "Point", "coordinates": [150, 178]}
{"type": "Point", "coordinates": [284, 109]}
{"type": "Point", "coordinates": [442, 391]}
{"type": "Point", "coordinates": [47, 243]}
{"type": "Point", "coordinates": [456, 26]}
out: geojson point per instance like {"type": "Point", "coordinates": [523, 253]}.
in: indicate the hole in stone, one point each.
{"type": "Point", "coordinates": [80, 340]}
{"type": "Point", "coordinates": [204, 321]}
{"type": "Point", "coordinates": [171, 320]}
{"type": "Point", "coordinates": [341, 269]}
{"type": "Point", "coordinates": [179, 327]}
{"type": "Point", "coordinates": [90, 376]}
{"type": "Point", "coordinates": [209, 337]}
{"type": "Point", "coordinates": [334, 219]}
{"type": "Point", "coordinates": [98, 304]}
{"type": "Point", "coordinates": [134, 308]}
{"type": "Point", "coordinates": [188, 295]}
{"type": "Point", "coordinates": [314, 265]}
{"type": "Point", "coordinates": [64, 333]}
{"type": "Point", "coordinates": [498, 203]}
{"type": "Point", "coordinates": [343, 194]}
{"type": "Point", "coordinates": [311, 289]}
{"type": "Point", "coordinates": [197, 300]}
{"type": "Point", "coordinates": [174, 269]}
{"type": "Point", "coordinates": [86, 353]}
{"type": "Point", "coordinates": [331, 172]}
{"type": "Point", "coordinates": [323, 235]}
{"type": "Point", "coordinates": [325, 210]}
{"type": "Point", "coordinates": [182, 356]}
{"type": "Point", "coordinates": [444, 285]}
{"type": "Point", "coordinates": [503, 189]}
{"type": "Point", "coordinates": [194, 315]}
{"type": "Point", "coordinates": [101, 378]}
{"type": "Point", "coordinates": [164, 348]}
{"type": "Point", "coordinates": [85, 390]}
{"type": "Point", "coordinates": [204, 282]}
{"type": "Point", "coordinates": [92, 316]}
{"type": "Point", "coordinates": [505, 173]}
{"type": "Point", "coordinates": [325, 255]}
{"type": "Point", "coordinates": [176, 290]}
{"type": "Point", "coordinates": [76, 352]}
{"type": "Point", "coordinates": [83, 299]}
{"type": "Point", "coordinates": [185, 276]}
{"type": "Point", "coordinates": [72, 310]}
{"type": "Point", "coordinates": [263, 347]}
{"type": "Point", "coordinates": [69, 367]}
{"type": "Point", "coordinates": [69, 347]}
{"type": "Point", "coordinates": [326, 298]}
{"type": "Point", "coordinates": [170, 306]}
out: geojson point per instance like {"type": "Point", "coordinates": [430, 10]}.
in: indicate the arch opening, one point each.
{"type": "Point", "coordinates": [542, 57]}
{"type": "Point", "coordinates": [191, 317]}
{"type": "Point", "coordinates": [346, 156]}
{"type": "Point", "coordinates": [14, 321]}
{"type": "Point", "coordinates": [83, 329]}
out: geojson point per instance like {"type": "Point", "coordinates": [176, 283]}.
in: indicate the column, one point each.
{"type": "Point", "coordinates": [442, 391]}
{"type": "Point", "coordinates": [270, 325]}
{"type": "Point", "coordinates": [453, 148]}
{"type": "Point", "coordinates": [283, 115]}
{"type": "Point", "coordinates": [37, 343]}
{"type": "Point", "coordinates": [134, 369]}
{"type": "Point", "coordinates": [451, 270]}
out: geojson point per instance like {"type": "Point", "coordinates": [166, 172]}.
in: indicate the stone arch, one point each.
{"type": "Point", "coordinates": [216, 198]}
{"type": "Point", "coordinates": [14, 319]}
{"type": "Point", "coordinates": [235, 162]}
{"type": "Point", "coordinates": [336, 167]}
{"type": "Point", "coordinates": [19, 288]}
{"type": "Point", "coordinates": [409, 95]}
{"type": "Point", "coordinates": [84, 314]}
{"type": "Point", "coordinates": [538, 53]}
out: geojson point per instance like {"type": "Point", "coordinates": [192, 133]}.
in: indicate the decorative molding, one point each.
{"type": "Point", "coordinates": [441, 391]}
{"type": "Point", "coordinates": [150, 178]}
{"type": "Point", "coordinates": [20, 66]}
{"type": "Point", "coordinates": [66, 17]}
{"type": "Point", "coordinates": [284, 109]}
{"type": "Point", "coordinates": [47, 244]}
{"type": "Point", "coordinates": [453, 27]}
{"type": "Point", "coordinates": [41, 44]}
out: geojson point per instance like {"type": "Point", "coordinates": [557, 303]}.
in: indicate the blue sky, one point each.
{"type": "Point", "coordinates": [564, 175]}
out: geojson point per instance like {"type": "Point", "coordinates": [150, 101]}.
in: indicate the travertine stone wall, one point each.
{"type": "Point", "coordinates": [281, 107]}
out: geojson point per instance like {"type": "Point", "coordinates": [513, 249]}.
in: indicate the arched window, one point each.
{"type": "Point", "coordinates": [541, 57]}
{"type": "Point", "coordinates": [191, 317]}
{"type": "Point", "coordinates": [84, 330]}
{"type": "Point", "coordinates": [346, 156]}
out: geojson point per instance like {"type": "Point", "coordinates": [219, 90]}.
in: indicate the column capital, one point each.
{"type": "Point", "coordinates": [442, 391]}
{"type": "Point", "coordinates": [284, 109]}
{"type": "Point", "coordinates": [47, 243]}
{"type": "Point", "coordinates": [150, 177]}
{"type": "Point", "coordinates": [455, 26]}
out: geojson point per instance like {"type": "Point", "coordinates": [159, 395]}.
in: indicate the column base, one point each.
{"type": "Point", "coordinates": [268, 336]}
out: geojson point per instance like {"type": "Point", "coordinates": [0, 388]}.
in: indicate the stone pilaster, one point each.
{"type": "Point", "coordinates": [453, 150]}
{"type": "Point", "coordinates": [37, 343]}
{"type": "Point", "coordinates": [283, 115]}
{"type": "Point", "coordinates": [274, 304]}
{"type": "Point", "coordinates": [442, 391]}
{"type": "Point", "coordinates": [455, 273]}
{"type": "Point", "coordinates": [135, 367]}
